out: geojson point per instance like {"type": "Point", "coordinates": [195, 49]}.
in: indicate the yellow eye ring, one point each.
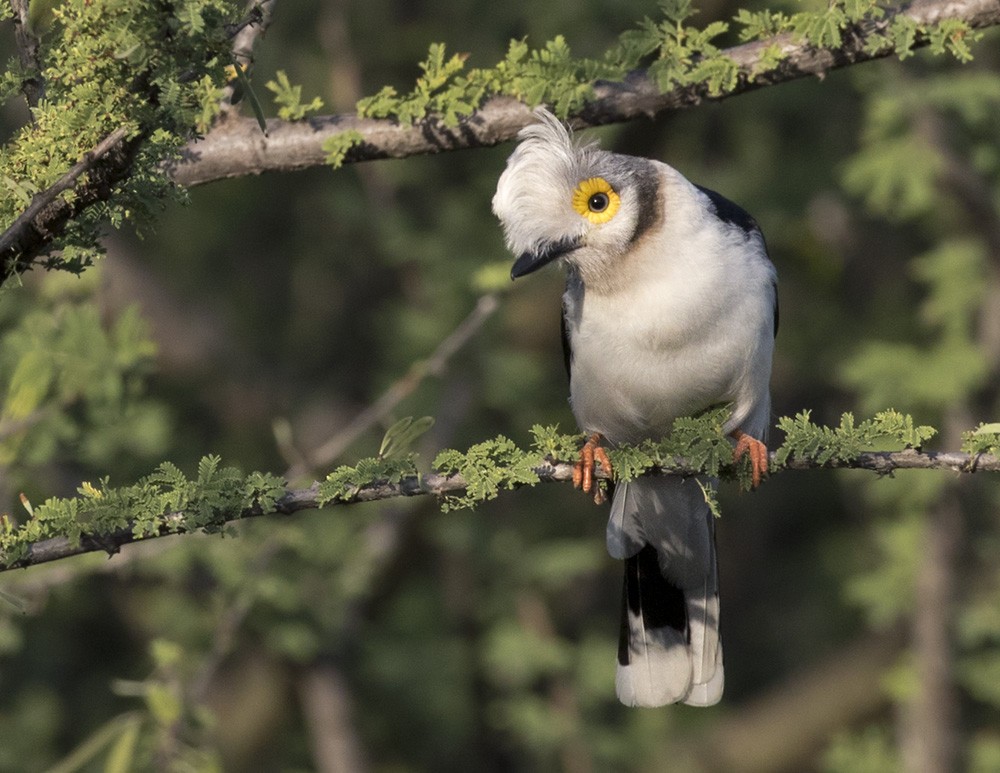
{"type": "Point", "coordinates": [596, 200]}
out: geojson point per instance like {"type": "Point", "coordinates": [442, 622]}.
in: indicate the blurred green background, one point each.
{"type": "Point", "coordinates": [258, 319]}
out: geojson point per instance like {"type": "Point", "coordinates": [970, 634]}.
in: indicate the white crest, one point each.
{"type": "Point", "coordinates": [533, 198]}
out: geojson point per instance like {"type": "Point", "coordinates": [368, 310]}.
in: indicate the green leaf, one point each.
{"type": "Point", "coordinates": [29, 384]}
{"type": "Point", "coordinates": [289, 99]}
{"type": "Point", "coordinates": [821, 29]}
{"type": "Point", "coordinates": [552, 444]}
{"type": "Point", "coordinates": [121, 758]}
{"type": "Point", "coordinates": [165, 654]}
{"type": "Point", "coordinates": [399, 438]}
{"type": "Point", "coordinates": [887, 430]}
{"type": "Point", "coordinates": [251, 96]}
{"type": "Point", "coordinates": [337, 146]}
{"type": "Point", "coordinates": [487, 468]}
{"type": "Point", "coordinates": [163, 704]}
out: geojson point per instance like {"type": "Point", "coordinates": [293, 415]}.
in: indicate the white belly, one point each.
{"type": "Point", "coordinates": [662, 353]}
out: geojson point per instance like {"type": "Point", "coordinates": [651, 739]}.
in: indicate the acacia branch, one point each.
{"type": "Point", "coordinates": [106, 164]}
{"type": "Point", "coordinates": [295, 500]}
{"type": "Point", "coordinates": [237, 147]}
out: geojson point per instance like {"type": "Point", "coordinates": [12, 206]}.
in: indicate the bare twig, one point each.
{"type": "Point", "coordinates": [237, 147]}
{"type": "Point", "coordinates": [395, 394]}
{"type": "Point", "coordinates": [295, 500]}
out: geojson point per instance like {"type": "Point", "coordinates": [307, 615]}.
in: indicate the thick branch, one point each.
{"type": "Point", "coordinates": [294, 500]}
{"type": "Point", "coordinates": [237, 147]}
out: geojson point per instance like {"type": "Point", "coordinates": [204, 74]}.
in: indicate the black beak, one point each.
{"type": "Point", "coordinates": [545, 254]}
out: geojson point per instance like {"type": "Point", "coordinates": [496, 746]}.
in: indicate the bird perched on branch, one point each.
{"type": "Point", "coordinates": [670, 308]}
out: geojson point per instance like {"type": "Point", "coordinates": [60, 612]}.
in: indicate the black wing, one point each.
{"type": "Point", "coordinates": [566, 345]}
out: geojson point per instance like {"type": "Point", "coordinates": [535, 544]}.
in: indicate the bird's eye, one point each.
{"type": "Point", "coordinates": [596, 200]}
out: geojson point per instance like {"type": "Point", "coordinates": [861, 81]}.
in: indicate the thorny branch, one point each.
{"type": "Point", "coordinates": [295, 500]}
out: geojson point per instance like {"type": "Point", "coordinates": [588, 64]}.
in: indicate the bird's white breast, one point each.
{"type": "Point", "coordinates": [690, 328]}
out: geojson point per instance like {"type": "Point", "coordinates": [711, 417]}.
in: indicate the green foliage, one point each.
{"type": "Point", "coordinates": [435, 667]}
{"type": "Point", "coordinates": [681, 55]}
{"type": "Point", "coordinates": [930, 375]}
{"type": "Point", "coordinates": [697, 442]}
{"type": "Point", "coordinates": [134, 739]}
{"type": "Point", "coordinates": [883, 585]}
{"type": "Point", "coordinates": [953, 36]}
{"type": "Point", "coordinates": [675, 54]}
{"type": "Point", "coordinates": [400, 437]}
{"type": "Point", "coordinates": [344, 483]}
{"type": "Point", "coordinates": [487, 468]}
{"type": "Point", "coordinates": [899, 167]}
{"type": "Point", "coordinates": [928, 152]}
{"type": "Point", "coordinates": [289, 99]}
{"type": "Point", "coordinates": [868, 751]}
{"type": "Point", "coordinates": [551, 444]}
{"type": "Point", "coordinates": [165, 501]}
{"type": "Point", "coordinates": [116, 738]}
{"type": "Point", "coordinates": [758, 25]}
{"type": "Point", "coordinates": [888, 430]}
{"type": "Point", "coordinates": [70, 379]}
{"type": "Point", "coordinates": [337, 146]}
{"type": "Point", "coordinates": [244, 89]}
{"type": "Point", "coordinates": [984, 439]}
{"type": "Point", "coordinates": [146, 67]}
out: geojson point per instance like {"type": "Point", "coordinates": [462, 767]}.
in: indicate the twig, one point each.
{"type": "Point", "coordinates": [259, 13]}
{"type": "Point", "coordinates": [259, 19]}
{"type": "Point", "coordinates": [27, 52]}
{"type": "Point", "coordinates": [237, 147]}
{"type": "Point", "coordinates": [395, 394]}
{"type": "Point", "coordinates": [295, 500]}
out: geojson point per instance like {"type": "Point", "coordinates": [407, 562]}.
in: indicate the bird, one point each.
{"type": "Point", "coordinates": [670, 308]}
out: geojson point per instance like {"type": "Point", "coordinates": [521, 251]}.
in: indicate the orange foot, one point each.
{"type": "Point", "coordinates": [584, 470]}
{"type": "Point", "coordinates": [758, 455]}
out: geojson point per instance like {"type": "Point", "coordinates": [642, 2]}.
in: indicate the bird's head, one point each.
{"type": "Point", "coordinates": [560, 199]}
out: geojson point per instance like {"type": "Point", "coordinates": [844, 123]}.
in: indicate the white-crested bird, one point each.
{"type": "Point", "coordinates": [670, 308]}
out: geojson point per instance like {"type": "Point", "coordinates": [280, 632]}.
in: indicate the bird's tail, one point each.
{"type": "Point", "coordinates": [669, 650]}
